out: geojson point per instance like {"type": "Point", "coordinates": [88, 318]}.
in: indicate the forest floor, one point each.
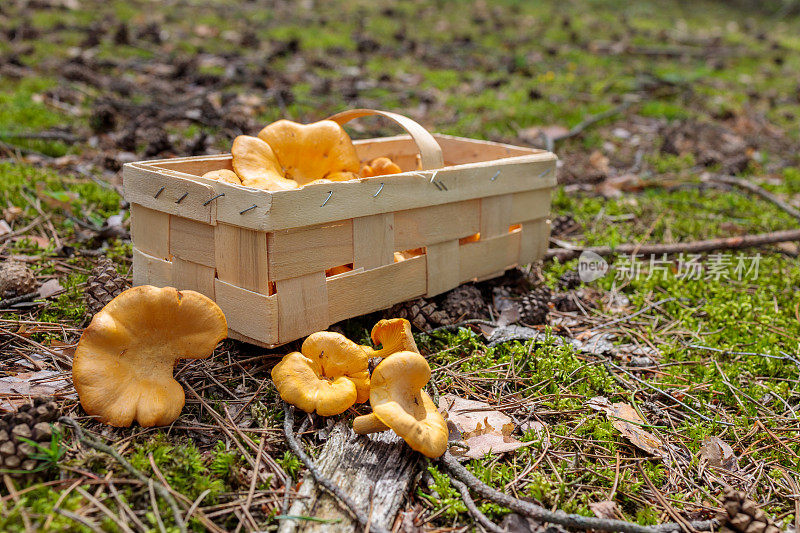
{"type": "Point", "coordinates": [650, 107]}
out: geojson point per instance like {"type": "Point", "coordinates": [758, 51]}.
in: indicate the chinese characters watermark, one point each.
{"type": "Point", "coordinates": [712, 267]}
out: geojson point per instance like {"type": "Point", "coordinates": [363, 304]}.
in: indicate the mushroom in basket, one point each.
{"type": "Point", "coordinates": [124, 361]}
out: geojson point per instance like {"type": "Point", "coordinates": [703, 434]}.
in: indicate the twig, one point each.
{"type": "Point", "coordinates": [79, 519]}
{"type": "Point", "coordinates": [294, 445]}
{"type": "Point", "coordinates": [710, 245]}
{"type": "Point", "coordinates": [41, 136]}
{"type": "Point", "coordinates": [456, 470]}
{"type": "Point", "coordinates": [479, 517]}
{"type": "Point", "coordinates": [759, 191]}
{"type": "Point", "coordinates": [18, 299]}
{"type": "Point", "coordinates": [668, 395]}
{"type": "Point", "coordinates": [99, 446]}
{"type": "Point", "coordinates": [591, 120]}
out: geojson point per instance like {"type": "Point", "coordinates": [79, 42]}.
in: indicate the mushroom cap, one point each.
{"type": "Point", "coordinates": [394, 335]}
{"type": "Point", "coordinates": [228, 176]}
{"type": "Point", "coordinates": [308, 152]}
{"type": "Point", "coordinates": [257, 165]}
{"type": "Point", "coordinates": [329, 376]}
{"type": "Point", "coordinates": [123, 364]}
{"type": "Point", "coordinates": [380, 166]}
{"type": "Point", "coordinates": [398, 401]}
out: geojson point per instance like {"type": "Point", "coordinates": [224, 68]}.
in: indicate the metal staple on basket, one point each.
{"type": "Point", "coordinates": [213, 198]}
{"type": "Point", "coordinates": [330, 193]}
{"type": "Point", "coordinates": [243, 211]}
{"type": "Point", "coordinates": [156, 195]}
{"type": "Point", "coordinates": [379, 191]}
{"type": "Point", "coordinates": [179, 200]}
{"type": "Point", "coordinates": [496, 174]}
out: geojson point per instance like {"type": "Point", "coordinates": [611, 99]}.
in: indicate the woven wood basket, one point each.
{"type": "Point", "coordinates": [284, 264]}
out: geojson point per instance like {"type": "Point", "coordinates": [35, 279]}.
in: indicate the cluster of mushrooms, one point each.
{"type": "Point", "coordinates": [331, 374]}
{"type": "Point", "coordinates": [287, 155]}
{"type": "Point", "coordinates": [123, 368]}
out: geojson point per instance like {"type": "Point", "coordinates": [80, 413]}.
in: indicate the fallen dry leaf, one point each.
{"type": "Point", "coordinates": [484, 429]}
{"type": "Point", "coordinates": [605, 509]}
{"type": "Point", "coordinates": [625, 418]}
{"type": "Point", "coordinates": [50, 288]}
{"type": "Point", "coordinates": [719, 454]}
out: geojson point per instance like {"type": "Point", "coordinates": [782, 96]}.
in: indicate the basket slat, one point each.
{"type": "Point", "coordinates": [241, 257]}
{"type": "Point", "coordinates": [193, 276]}
{"type": "Point", "coordinates": [529, 205]}
{"type": "Point", "coordinates": [192, 241]}
{"type": "Point", "coordinates": [149, 270]}
{"type": "Point", "coordinates": [379, 288]}
{"type": "Point", "coordinates": [302, 305]}
{"type": "Point", "coordinates": [443, 267]}
{"type": "Point", "coordinates": [150, 231]}
{"type": "Point", "coordinates": [309, 250]}
{"type": "Point", "coordinates": [255, 315]}
{"type": "Point", "coordinates": [373, 241]}
{"type": "Point", "coordinates": [488, 256]}
{"type": "Point", "coordinates": [438, 223]}
{"type": "Point", "coordinates": [495, 215]}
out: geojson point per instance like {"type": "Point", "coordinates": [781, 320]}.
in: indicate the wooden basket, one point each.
{"type": "Point", "coordinates": [284, 264]}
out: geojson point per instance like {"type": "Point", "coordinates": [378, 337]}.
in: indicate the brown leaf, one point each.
{"type": "Point", "coordinates": [469, 415]}
{"type": "Point", "coordinates": [625, 418]}
{"type": "Point", "coordinates": [605, 509]}
{"type": "Point", "coordinates": [719, 454]}
{"type": "Point", "coordinates": [479, 426]}
{"type": "Point", "coordinates": [50, 288]}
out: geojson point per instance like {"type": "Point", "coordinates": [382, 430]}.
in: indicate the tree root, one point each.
{"type": "Point", "coordinates": [327, 484]}
{"type": "Point", "coordinates": [459, 472]}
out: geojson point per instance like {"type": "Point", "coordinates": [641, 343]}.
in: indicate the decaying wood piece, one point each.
{"type": "Point", "coordinates": [376, 471]}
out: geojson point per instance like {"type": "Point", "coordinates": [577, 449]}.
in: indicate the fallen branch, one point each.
{"type": "Point", "coordinates": [591, 120]}
{"type": "Point", "coordinates": [759, 191]}
{"type": "Point", "coordinates": [458, 325]}
{"type": "Point", "coordinates": [327, 484]}
{"type": "Point", "coordinates": [100, 447]}
{"type": "Point", "coordinates": [710, 245]}
{"type": "Point", "coordinates": [18, 299]}
{"type": "Point", "coordinates": [42, 136]}
{"type": "Point", "coordinates": [479, 517]}
{"type": "Point", "coordinates": [458, 471]}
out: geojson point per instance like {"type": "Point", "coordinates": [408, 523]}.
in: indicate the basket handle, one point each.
{"type": "Point", "coordinates": [429, 150]}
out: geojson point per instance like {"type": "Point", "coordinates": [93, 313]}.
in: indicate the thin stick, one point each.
{"type": "Point", "coordinates": [479, 517]}
{"type": "Point", "coordinates": [457, 325]}
{"type": "Point", "coordinates": [759, 191]}
{"type": "Point", "coordinates": [456, 470]}
{"type": "Point", "coordinates": [330, 486]}
{"type": "Point", "coordinates": [79, 519]}
{"type": "Point", "coordinates": [99, 446]}
{"type": "Point", "coordinates": [154, 504]}
{"type": "Point", "coordinates": [106, 511]}
{"type": "Point", "coordinates": [711, 245]}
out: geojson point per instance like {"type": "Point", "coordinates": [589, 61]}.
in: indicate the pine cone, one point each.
{"type": "Point", "coordinates": [569, 280]}
{"type": "Point", "coordinates": [743, 515]}
{"type": "Point", "coordinates": [563, 225]}
{"type": "Point", "coordinates": [533, 307]}
{"type": "Point", "coordinates": [424, 314]}
{"type": "Point", "coordinates": [16, 279]}
{"type": "Point", "coordinates": [463, 302]}
{"type": "Point", "coordinates": [103, 285]}
{"type": "Point", "coordinates": [32, 422]}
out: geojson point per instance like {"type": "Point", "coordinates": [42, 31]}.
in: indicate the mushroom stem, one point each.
{"type": "Point", "coordinates": [370, 423]}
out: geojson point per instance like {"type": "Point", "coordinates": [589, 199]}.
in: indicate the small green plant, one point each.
{"type": "Point", "coordinates": [48, 457]}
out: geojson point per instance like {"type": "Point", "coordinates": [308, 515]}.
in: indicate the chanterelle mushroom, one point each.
{"type": "Point", "coordinates": [309, 152]}
{"type": "Point", "coordinates": [394, 335]}
{"type": "Point", "coordinates": [399, 402]}
{"type": "Point", "coordinates": [329, 376]}
{"type": "Point", "coordinates": [257, 165]}
{"type": "Point", "coordinates": [124, 361]}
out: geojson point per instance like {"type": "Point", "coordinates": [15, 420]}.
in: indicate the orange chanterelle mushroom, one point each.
{"type": "Point", "coordinates": [310, 152]}
{"type": "Point", "coordinates": [329, 376]}
{"type": "Point", "coordinates": [124, 361]}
